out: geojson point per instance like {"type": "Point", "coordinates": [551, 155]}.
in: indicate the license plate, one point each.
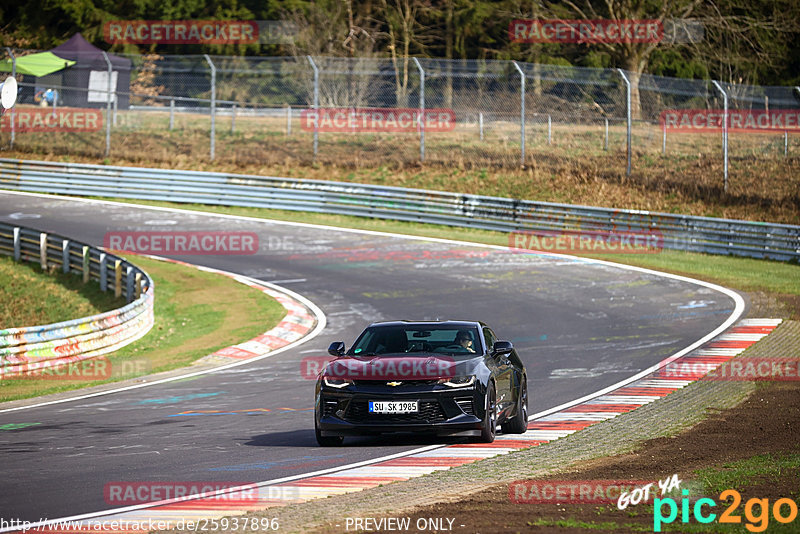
{"type": "Point", "coordinates": [393, 406]}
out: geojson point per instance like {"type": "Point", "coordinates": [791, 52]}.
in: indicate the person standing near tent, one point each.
{"type": "Point", "coordinates": [46, 98]}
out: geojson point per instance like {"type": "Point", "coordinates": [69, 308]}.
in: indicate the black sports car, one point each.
{"type": "Point", "coordinates": [443, 377]}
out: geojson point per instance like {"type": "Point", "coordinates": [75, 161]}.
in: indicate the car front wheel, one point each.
{"type": "Point", "coordinates": [327, 441]}
{"type": "Point", "coordinates": [489, 427]}
{"type": "Point", "coordinates": [519, 423]}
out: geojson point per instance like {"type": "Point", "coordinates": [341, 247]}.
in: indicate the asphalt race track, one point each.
{"type": "Point", "coordinates": [578, 326]}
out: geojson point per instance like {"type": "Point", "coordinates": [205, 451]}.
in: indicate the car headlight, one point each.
{"type": "Point", "coordinates": [458, 381]}
{"type": "Point", "coordinates": [336, 382]}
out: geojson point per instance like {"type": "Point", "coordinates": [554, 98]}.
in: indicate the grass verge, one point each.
{"type": "Point", "coordinates": [196, 313]}
{"type": "Point", "coordinates": [30, 296]}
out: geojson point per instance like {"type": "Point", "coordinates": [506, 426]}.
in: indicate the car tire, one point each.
{"type": "Point", "coordinates": [519, 423]}
{"type": "Point", "coordinates": [327, 441]}
{"type": "Point", "coordinates": [489, 426]}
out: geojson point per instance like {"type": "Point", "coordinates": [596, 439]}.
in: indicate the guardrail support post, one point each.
{"type": "Point", "coordinates": [628, 115]}
{"type": "Point", "coordinates": [13, 75]}
{"type": "Point", "coordinates": [85, 264]}
{"type": "Point", "coordinates": [103, 272]}
{"type": "Point", "coordinates": [421, 117]}
{"type": "Point", "coordinates": [521, 112]}
{"type": "Point", "coordinates": [118, 278]}
{"type": "Point", "coordinates": [316, 104]}
{"type": "Point", "coordinates": [65, 255]}
{"type": "Point", "coordinates": [108, 105]}
{"type": "Point", "coordinates": [43, 250]}
{"type": "Point", "coordinates": [724, 132]}
{"type": "Point", "coordinates": [129, 284]}
{"type": "Point", "coordinates": [17, 245]}
{"type": "Point", "coordinates": [213, 102]}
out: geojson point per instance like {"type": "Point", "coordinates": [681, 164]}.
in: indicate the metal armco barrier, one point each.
{"type": "Point", "coordinates": [29, 349]}
{"type": "Point", "coordinates": [678, 232]}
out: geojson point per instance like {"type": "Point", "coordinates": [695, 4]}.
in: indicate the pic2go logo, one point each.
{"type": "Point", "coordinates": [757, 522]}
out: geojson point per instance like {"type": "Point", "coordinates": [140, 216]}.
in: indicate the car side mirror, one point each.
{"type": "Point", "coordinates": [336, 349]}
{"type": "Point", "coordinates": [502, 347]}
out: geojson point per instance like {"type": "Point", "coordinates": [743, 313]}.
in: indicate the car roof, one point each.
{"type": "Point", "coordinates": [404, 322]}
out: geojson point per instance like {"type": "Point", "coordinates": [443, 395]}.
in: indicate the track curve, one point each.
{"type": "Point", "coordinates": [579, 325]}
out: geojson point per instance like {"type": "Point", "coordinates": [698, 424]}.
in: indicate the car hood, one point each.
{"type": "Point", "coordinates": [401, 367]}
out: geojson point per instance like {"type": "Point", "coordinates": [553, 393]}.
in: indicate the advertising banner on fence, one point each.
{"type": "Point", "coordinates": [49, 120]}
{"type": "Point", "coordinates": [711, 120]}
{"type": "Point", "coordinates": [585, 31]}
{"type": "Point", "coordinates": [372, 120]}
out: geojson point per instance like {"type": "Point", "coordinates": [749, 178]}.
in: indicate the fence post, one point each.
{"type": "Point", "coordinates": [43, 250]}
{"type": "Point", "coordinates": [480, 123]}
{"type": "Point", "coordinates": [55, 103]}
{"type": "Point", "coordinates": [65, 255]}
{"type": "Point", "coordinates": [108, 105]}
{"type": "Point", "coordinates": [118, 278]}
{"type": "Point", "coordinates": [129, 274]}
{"type": "Point", "coordinates": [605, 141]}
{"type": "Point", "coordinates": [316, 104]}
{"type": "Point", "coordinates": [521, 111]}
{"type": "Point", "coordinates": [115, 111]}
{"type": "Point", "coordinates": [103, 272]}
{"type": "Point", "coordinates": [724, 132]}
{"type": "Point", "coordinates": [288, 121]}
{"type": "Point", "coordinates": [785, 142]}
{"type": "Point", "coordinates": [13, 75]}
{"type": "Point", "coordinates": [233, 119]}
{"type": "Point", "coordinates": [171, 113]}
{"type": "Point", "coordinates": [86, 264]}
{"type": "Point", "coordinates": [213, 102]}
{"type": "Point", "coordinates": [628, 114]}
{"type": "Point", "coordinates": [421, 117]}
{"type": "Point", "coordinates": [664, 138]}
{"type": "Point", "coordinates": [549, 130]}
{"type": "Point", "coordinates": [17, 244]}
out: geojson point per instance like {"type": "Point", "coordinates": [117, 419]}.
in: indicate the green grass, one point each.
{"type": "Point", "coordinates": [30, 296]}
{"type": "Point", "coordinates": [196, 313]}
{"type": "Point", "coordinates": [574, 523]}
{"type": "Point", "coordinates": [761, 469]}
{"type": "Point", "coordinates": [777, 278]}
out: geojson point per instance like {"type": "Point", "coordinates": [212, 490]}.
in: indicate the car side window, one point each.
{"type": "Point", "coordinates": [490, 338]}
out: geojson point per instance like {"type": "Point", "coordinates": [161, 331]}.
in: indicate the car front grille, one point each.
{"type": "Point", "coordinates": [429, 412]}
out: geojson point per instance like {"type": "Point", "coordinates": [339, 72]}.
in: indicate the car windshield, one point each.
{"type": "Point", "coordinates": [453, 340]}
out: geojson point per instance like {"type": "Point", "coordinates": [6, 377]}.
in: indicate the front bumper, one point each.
{"type": "Point", "coordinates": [450, 411]}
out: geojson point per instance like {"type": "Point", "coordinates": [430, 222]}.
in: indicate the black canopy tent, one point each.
{"type": "Point", "coordinates": [91, 72]}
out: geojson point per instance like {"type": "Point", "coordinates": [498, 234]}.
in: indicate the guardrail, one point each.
{"type": "Point", "coordinates": [679, 232]}
{"type": "Point", "coordinates": [30, 349]}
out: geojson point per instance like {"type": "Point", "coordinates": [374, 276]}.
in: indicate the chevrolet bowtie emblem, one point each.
{"type": "Point", "coordinates": [393, 383]}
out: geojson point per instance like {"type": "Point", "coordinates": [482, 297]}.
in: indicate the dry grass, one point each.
{"type": "Point", "coordinates": [763, 183]}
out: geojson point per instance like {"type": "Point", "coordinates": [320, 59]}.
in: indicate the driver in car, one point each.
{"type": "Point", "coordinates": [465, 340]}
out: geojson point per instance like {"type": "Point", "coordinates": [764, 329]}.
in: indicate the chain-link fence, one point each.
{"type": "Point", "coordinates": [350, 112]}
